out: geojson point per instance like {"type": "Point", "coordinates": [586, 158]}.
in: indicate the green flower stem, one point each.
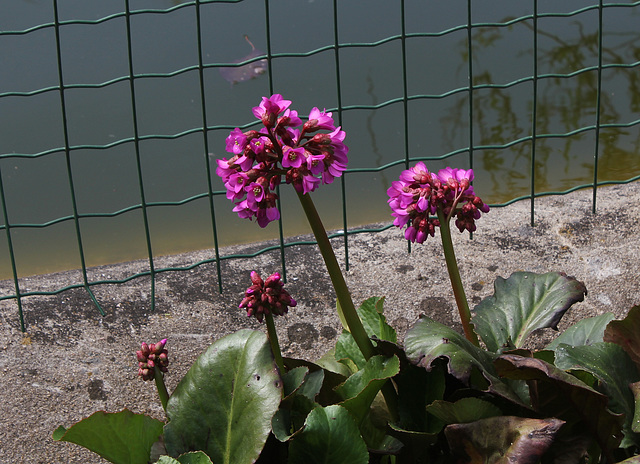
{"type": "Point", "coordinates": [162, 388]}
{"type": "Point", "coordinates": [273, 340]}
{"type": "Point", "coordinates": [456, 281]}
{"type": "Point", "coordinates": [346, 309]}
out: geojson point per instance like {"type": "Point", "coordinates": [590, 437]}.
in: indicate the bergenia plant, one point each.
{"type": "Point", "coordinates": [438, 397]}
{"type": "Point", "coordinates": [419, 195]}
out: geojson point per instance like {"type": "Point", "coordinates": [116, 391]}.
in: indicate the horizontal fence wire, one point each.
{"type": "Point", "coordinates": [133, 79]}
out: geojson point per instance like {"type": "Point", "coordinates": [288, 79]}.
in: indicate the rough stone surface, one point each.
{"type": "Point", "coordinates": [73, 361]}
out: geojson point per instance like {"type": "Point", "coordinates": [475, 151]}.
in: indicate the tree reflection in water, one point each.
{"type": "Point", "coordinates": [566, 109]}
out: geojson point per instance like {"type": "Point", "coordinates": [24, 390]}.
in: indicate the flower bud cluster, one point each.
{"type": "Point", "coordinates": [305, 157]}
{"type": "Point", "coordinates": [420, 194]}
{"type": "Point", "coordinates": [266, 297]}
{"type": "Point", "coordinates": [150, 356]}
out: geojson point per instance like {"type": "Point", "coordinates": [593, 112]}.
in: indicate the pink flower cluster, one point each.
{"type": "Point", "coordinates": [150, 356]}
{"type": "Point", "coordinates": [266, 297]}
{"type": "Point", "coordinates": [420, 194]}
{"type": "Point", "coordinates": [305, 157]}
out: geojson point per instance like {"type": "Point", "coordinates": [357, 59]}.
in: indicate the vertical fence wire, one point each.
{"type": "Point", "coordinates": [205, 141]}
{"type": "Point", "coordinates": [136, 144]}
{"type": "Point", "coordinates": [343, 181]}
{"type": "Point", "coordinates": [470, 80]}
{"type": "Point", "coordinates": [12, 257]}
{"type": "Point", "coordinates": [596, 152]}
{"type": "Point", "coordinates": [534, 113]}
{"type": "Point", "coordinates": [67, 155]}
{"type": "Point", "coordinates": [405, 92]}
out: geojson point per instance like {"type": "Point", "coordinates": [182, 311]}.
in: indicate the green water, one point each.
{"type": "Point", "coordinates": [37, 189]}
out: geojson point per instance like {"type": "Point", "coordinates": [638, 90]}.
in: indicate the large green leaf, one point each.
{"type": "Point", "coordinates": [626, 333]}
{"type": "Point", "coordinates": [418, 388]}
{"type": "Point", "coordinates": [348, 353]}
{"type": "Point", "coordinates": [611, 365]}
{"type": "Point", "coordinates": [359, 392]}
{"type": "Point", "coordinates": [635, 423]}
{"type": "Point", "coordinates": [375, 324]}
{"type": "Point", "coordinates": [584, 332]}
{"type": "Point", "coordinates": [373, 320]}
{"type": "Point", "coordinates": [361, 388]}
{"type": "Point", "coordinates": [523, 303]}
{"type": "Point", "coordinates": [464, 410]}
{"type": "Point", "coordinates": [564, 396]}
{"type": "Point", "coordinates": [121, 437]}
{"type": "Point", "coordinates": [330, 436]}
{"type": "Point", "coordinates": [197, 457]}
{"type": "Point", "coordinates": [298, 402]}
{"type": "Point", "coordinates": [502, 439]}
{"type": "Point", "coordinates": [328, 362]}
{"type": "Point", "coordinates": [327, 381]}
{"type": "Point", "coordinates": [429, 340]}
{"type": "Point", "coordinates": [224, 404]}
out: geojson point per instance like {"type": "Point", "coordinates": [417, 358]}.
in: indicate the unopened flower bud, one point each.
{"type": "Point", "coordinates": [266, 297]}
{"type": "Point", "coordinates": [145, 349]}
{"type": "Point", "coordinates": [151, 356]}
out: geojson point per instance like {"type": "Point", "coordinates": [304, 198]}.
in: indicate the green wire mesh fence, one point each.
{"type": "Point", "coordinates": [566, 93]}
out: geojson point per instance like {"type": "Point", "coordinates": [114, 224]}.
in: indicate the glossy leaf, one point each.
{"type": "Point", "coordinates": [626, 333]}
{"type": "Point", "coordinates": [502, 439]}
{"type": "Point", "coordinates": [635, 423]}
{"type": "Point", "coordinates": [295, 407]}
{"type": "Point", "coordinates": [197, 457]}
{"type": "Point", "coordinates": [374, 429]}
{"type": "Point", "coordinates": [584, 332]}
{"type": "Point", "coordinates": [463, 411]}
{"type": "Point", "coordinates": [375, 324]}
{"type": "Point", "coordinates": [121, 437]}
{"type": "Point", "coordinates": [418, 388]}
{"type": "Point", "coordinates": [564, 396]}
{"type": "Point", "coordinates": [330, 436]}
{"type": "Point", "coordinates": [328, 362]}
{"type": "Point", "coordinates": [293, 379]}
{"type": "Point", "coordinates": [523, 303]}
{"type": "Point", "coordinates": [373, 320]}
{"type": "Point", "coordinates": [224, 404]}
{"type": "Point", "coordinates": [328, 381]}
{"type": "Point", "coordinates": [611, 365]}
{"type": "Point", "coordinates": [317, 387]}
{"type": "Point", "coordinates": [429, 340]}
{"type": "Point", "coordinates": [361, 388]}
{"type": "Point", "coordinates": [415, 443]}
{"type": "Point", "coordinates": [348, 353]}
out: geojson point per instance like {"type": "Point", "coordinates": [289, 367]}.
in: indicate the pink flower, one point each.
{"type": "Point", "coordinates": [293, 157]}
{"type": "Point", "coordinates": [289, 118]}
{"type": "Point", "coordinates": [455, 175]}
{"type": "Point", "coordinates": [236, 185]}
{"type": "Point", "coordinates": [255, 194]}
{"type": "Point", "coordinates": [270, 108]}
{"type": "Point", "coordinates": [319, 120]}
{"type": "Point", "coordinates": [259, 144]}
{"type": "Point", "coordinates": [236, 142]}
{"type": "Point", "coordinates": [266, 297]}
{"type": "Point", "coordinates": [281, 148]}
{"type": "Point", "coordinates": [419, 194]}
